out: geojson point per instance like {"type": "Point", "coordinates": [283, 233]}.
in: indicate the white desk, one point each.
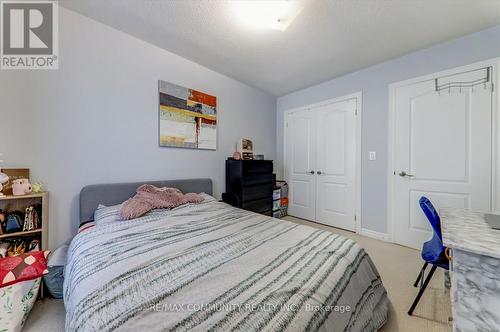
{"type": "Point", "coordinates": [475, 288]}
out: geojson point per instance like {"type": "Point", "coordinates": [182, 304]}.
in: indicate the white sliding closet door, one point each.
{"type": "Point", "coordinates": [336, 164]}
{"type": "Point", "coordinates": [321, 163]}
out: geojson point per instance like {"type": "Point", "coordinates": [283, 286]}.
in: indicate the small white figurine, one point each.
{"type": "Point", "coordinates": [3, 179]}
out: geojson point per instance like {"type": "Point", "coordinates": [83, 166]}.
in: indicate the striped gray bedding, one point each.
{"type": "Point", "coordinates": [212, 267]}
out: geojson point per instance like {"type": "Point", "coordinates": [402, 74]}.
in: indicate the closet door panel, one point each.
{"type": "Point", "coordinates": [300, 164]}
{"type": "Point", "coordinates": [336, 168]}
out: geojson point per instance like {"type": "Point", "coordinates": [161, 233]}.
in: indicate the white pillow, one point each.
{"type": "Point", "coordinates": [207, 198]}
{"type": "Point", "coordinates": [105, 214]}
{"type": "Point", "coordinates": [16, 302]}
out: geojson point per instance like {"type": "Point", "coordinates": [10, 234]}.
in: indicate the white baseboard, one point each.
{"type": "Point", "coordinates": [375, 235]}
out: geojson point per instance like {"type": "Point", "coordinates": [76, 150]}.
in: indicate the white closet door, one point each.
{"type": "Point", "coordinates": [442, 150]}
{"type": "Point", "coordinates": [300, 164]}
{"type": "Point", "coordinates": [336, 164]}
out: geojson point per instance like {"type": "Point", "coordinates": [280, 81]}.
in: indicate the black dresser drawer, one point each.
{"type": "Point", "coordinates": [258, 166]}
{"type": "Point", "coordinates": [252, 193]}
{"type": "Point", "coordinates": [254, 179]}
{"type": "Point", "coordinates": [261, 205]}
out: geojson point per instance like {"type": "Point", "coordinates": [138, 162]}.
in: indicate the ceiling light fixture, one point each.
{"type": "Point", "coordinates": [262, 14]}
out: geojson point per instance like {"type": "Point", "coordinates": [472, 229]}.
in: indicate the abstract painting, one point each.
{"type": "Point", "coordinates": [188, 118]}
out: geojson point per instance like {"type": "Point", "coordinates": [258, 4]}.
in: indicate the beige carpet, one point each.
{"type": "Point", "coordinates": [397, 265]}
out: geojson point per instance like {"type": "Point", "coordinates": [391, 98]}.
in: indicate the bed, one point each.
{"type": "Point", "coordinates": [213, 267]}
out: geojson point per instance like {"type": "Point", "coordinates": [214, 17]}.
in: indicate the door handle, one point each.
{"type": "Point", "coordinates": [403, 173]}
{"type": "Point", "coordinates": [319, 172]}
{"type": "Point", "coordinates": [311, 172]}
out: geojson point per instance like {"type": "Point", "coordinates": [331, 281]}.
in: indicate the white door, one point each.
{"type": "Point", "coordinates": [300, 165]}
{"type": "Point", "coordinates": [320, 163]}
{"type": "Point", "coordinates": [442, 150]}
{"type": "Point", "coordinates": [336, 164]}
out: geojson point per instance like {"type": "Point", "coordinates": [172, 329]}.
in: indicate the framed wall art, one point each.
{"type": "Point", "coordinates": [188, 118]}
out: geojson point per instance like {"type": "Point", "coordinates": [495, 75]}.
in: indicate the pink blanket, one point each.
{"type": "Point", "coordinates": [149, 197]}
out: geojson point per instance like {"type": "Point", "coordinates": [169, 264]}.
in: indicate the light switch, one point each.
{"type": "Point", "coordinates": [372, 155]}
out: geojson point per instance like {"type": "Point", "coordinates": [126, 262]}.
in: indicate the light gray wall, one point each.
{"type": "Point", "coordinates": [95, 120]}
{"type": "Point", "coordinates": [373, 82]}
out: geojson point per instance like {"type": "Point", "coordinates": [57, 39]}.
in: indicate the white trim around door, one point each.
{"type": "Point", "coordinates": [494, 64]}
{"type": "Point", "coordinates": [358, 97]}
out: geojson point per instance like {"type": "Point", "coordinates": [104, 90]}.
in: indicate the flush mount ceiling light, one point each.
{"type": "Point", "coordinates": [262, 14]}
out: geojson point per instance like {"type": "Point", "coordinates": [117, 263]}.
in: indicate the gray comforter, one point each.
{"type": "Point", "coordinates": [212, 267]}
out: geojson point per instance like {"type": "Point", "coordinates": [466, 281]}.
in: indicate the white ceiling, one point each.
{"type": "Point", "coordinates": [328, 38]}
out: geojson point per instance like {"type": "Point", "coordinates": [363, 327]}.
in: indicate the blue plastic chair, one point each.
{"type": "Point", "coordinates": [433, 251]}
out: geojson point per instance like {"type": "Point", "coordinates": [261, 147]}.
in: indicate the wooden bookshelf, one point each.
{"type": "Point", "coordinates": [11, 197]}
{"type": "Point", "coordinates": [20, 203]}
{"type": "Point", "coordinates": [5, 236]}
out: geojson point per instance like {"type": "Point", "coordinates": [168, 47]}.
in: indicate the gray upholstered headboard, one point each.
{"type": "Point", "coordinates": [116, 193]}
